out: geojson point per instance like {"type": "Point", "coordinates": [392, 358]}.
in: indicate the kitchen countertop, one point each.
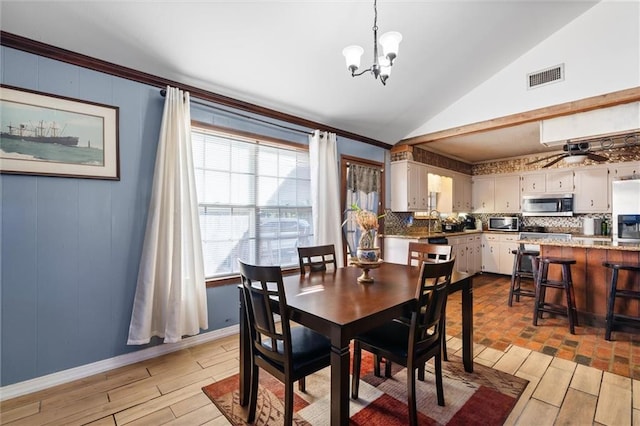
{"type": "Point", "coordinates": [586, 244]}
{"type": "Point", "coordinates": [433, 234]}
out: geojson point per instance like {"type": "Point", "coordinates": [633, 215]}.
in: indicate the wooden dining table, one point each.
{"type": "Point", "coordinates": [335, 304]}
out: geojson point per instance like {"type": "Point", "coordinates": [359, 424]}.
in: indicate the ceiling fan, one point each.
{"type": "Point", "coordinates": [575, 152]}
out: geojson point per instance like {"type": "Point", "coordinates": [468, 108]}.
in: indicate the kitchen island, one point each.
{"type": "Point", "coordinates": [591, 279]}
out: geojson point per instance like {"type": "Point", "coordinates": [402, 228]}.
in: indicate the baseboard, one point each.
{"type": "Point", "coordinates": [65, 376]}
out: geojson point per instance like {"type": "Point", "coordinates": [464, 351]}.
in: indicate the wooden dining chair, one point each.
{"type": "Point", "coordinates": [316, 258]}
{"type": "Point", "coordinates": [412, 343]}
{"type": "Point", "coordinates": [416, 255]}
{"type": "Point", "coordinates": [287, 353]}
{"type": "Point", "coordinates": [419, 252]}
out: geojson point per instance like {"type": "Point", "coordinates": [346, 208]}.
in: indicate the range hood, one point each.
{"type": "Point", "coordinates": [603, 122]}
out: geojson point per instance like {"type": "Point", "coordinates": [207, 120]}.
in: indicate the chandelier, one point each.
{"type": "Point", "coordinates": [381, 65]}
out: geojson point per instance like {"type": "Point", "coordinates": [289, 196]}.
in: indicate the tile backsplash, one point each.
{"type": "Point", "coordinates": [403, 223]}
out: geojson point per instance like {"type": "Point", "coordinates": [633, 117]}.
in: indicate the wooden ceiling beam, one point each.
{"type": "Point", "coordinates": [567, 108]}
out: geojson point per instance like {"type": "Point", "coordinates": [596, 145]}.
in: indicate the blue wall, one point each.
{"type": "Point", "coordinates": [70, 248]}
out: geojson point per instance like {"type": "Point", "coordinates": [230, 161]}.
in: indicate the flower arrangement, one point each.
{"type": "Point", "coordinates": [368, 223]}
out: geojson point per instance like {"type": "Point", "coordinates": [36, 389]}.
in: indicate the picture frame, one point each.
{"type": "Point", "coordinates": [51, 135]}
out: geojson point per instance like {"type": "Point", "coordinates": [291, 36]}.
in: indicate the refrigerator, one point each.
{"type": "Point", "coordinates": [625, 210]}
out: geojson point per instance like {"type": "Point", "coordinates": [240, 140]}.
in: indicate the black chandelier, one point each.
{"type": "Point", "coordinates": [381, 65]}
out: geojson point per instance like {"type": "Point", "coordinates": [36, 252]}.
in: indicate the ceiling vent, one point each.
{"type": "Point", "coordinates": [546, 76]}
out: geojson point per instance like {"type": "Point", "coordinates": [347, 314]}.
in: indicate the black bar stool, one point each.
{"type": "Point", "coordinates": [612, 317]}
{"type": "Point", "coordinates": [566, 284]}
{"type": "Point", "coordinates": [519, 273]}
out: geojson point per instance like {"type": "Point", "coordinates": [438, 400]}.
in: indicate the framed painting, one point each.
{"type": "Point", "coordinates": [51, 135]}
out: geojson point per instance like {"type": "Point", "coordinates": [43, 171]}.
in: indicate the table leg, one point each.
{"type": "Point", "coordinates": [245, 355]}
{"type": "Point", "coordinates": [467, 326]}
{"type": "Point", "coordinates": [340, 358]}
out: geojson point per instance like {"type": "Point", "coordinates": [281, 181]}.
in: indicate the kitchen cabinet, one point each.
{"type": "Point", "coordinates": [591, 190]}
{"type": "Point", "coordinates": [507, 194]}
{"type": "Point", "coordinates": [533, 183]}
{"type": "Point", "coordinates": [467, 250]}
{"type": "Point", "coordinates": [506, 245]}
{"type": "Point", "coordinates": [409, 192]}
{"type": "Point", "coordinates": [483, 193]}
{"type": "Point", "coordinates": [559, 181]}
{"type": "Point", "coordinates": [461, 193]}
{"type": "Point", "coordinates": [496, 252]}
{"type": "Point", "coordinates": [490, 253]}
{"type": "Point", "coordinates": [618, 170]}
{"type": "Point", "coordinates": [396, 249]}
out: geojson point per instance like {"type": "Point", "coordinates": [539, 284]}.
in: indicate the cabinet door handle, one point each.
{"type": "Point", "coordinates": [534, 185]}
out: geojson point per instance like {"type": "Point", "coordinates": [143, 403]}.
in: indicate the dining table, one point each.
{"type": "Point", "coordinates": [336, 305]}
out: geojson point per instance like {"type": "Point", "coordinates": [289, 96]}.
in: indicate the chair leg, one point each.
{"type": "Point", "coordinates": [387, 368]}
{"type": "Point", "coordinates": [301, 385]}
{"type": "Point", "coordinates": [439, 385]}
{"type": "Point", "coordinates": [253, 394]}
{"type": "Point", "coordinates": [411, 395]}
{"type": "Point", "coordinates": [355, 379]}
{"type": "Point", "coordinates": [611, 304]}
{"type": "Point", "coordinates": [376, 365]}
{"type": "Point", "coordinates": [288, 404]}
{"type": "Point", "coordinates": [421, 372]}
{"type": "Point", "coordinates": [513, 281]}
{"type": "Point", "coordinates": [568, 289]}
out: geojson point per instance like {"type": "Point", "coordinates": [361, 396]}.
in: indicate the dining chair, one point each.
{"type": "Point", "coordinates": [287, 353]}
{"type": "Point", "coordinates": [416, 255]}
{"type": "Point", "coordinates": [316, 258]}
{"type": "Point", "coordinates": [412, 343]}
{"type": "Point", "coordinates": [419, 252]}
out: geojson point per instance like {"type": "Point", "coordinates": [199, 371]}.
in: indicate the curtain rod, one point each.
{"type": "Point", "coordinates": [163, 93]}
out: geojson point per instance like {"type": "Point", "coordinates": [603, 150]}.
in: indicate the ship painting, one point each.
{"type": "Point", "coordinates": [40, 133]}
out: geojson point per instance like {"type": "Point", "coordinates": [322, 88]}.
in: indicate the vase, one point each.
{"type": "Point", "coordinates": [367, 250]}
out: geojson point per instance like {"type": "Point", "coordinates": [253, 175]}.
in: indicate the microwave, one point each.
{"type": "Point", "coordinates": [508, 224]}
{"type": "Point", "coordinates": [547, 205]}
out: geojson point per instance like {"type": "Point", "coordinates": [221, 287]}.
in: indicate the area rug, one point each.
{"type": "Point", "coordinates": [485, 397]}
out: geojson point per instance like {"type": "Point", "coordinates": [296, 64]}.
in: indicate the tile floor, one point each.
{"type": "Point", "coordinates": [573, 379]}
{"type": "Point", "coordinates": [498, 326]}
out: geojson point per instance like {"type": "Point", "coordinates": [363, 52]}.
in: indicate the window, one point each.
{"type": "Point", "coordinates": [254, 201]}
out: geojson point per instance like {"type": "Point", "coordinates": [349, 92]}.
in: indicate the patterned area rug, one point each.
{"type": "Point", "coordinates": [485, 397]}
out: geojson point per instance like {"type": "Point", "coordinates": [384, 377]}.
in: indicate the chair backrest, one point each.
{"type": "Point", "coordinates": [265, 305]}
{"type": "Point", "coordinates": [419, 252]}
{"type": "Point", "coordinates": [431, 296]}
{"type": "Point", "coordinates": [316, 258]}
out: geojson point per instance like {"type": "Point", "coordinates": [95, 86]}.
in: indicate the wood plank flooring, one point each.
{"type": "Point", "coordinates": [167, 390]}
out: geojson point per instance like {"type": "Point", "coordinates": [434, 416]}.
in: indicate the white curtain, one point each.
{"type": "Point", "coordinates": [170, 300]}
{"type": "Point", "coordinates": [325, 191]}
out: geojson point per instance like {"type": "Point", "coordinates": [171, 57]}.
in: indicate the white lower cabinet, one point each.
{"type": "Point", "coordinates": [396, 249]}
{"type": "Point", "coordinates": [496, 252]}
{"type": "Point", "coordinates": [467, 250]}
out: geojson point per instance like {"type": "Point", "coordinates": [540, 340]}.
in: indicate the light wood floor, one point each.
{"type": "Point", "coordinates": [167, 390]}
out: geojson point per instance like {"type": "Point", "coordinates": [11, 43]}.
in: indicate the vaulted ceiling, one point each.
{"type": "Point", "coordinates": [286, 55]}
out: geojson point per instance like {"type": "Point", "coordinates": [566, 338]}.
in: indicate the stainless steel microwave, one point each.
{"type": "Point", "coordinates": [505, 223]}
{"type": "Point", "coordinates": [547, 205]}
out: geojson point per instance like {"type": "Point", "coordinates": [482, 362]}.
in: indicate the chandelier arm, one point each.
{"type": "Point", "coordinates": [354, 74]}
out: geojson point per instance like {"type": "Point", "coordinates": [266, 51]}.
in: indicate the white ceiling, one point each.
{"type": "Point", "coordinates": [286, 55]}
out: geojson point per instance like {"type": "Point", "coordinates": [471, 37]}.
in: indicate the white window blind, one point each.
{"type": "Point", "coordinates": [254, 199]}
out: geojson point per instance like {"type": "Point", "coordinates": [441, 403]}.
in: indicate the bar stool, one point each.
{"type": "Point", "coordinates": [566, 284]}
{"type": "Point", "coordinates": [519, 273]}
{"type": "Point", "coordinates": [612, 317]}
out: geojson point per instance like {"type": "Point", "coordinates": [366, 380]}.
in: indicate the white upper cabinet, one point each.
{"type": "Point", "coordinates": [483, 193]}
{"type": "Point", "coordinates": [507, 194]}
{"type": "Point", "coordinates": [533, 183]}
{"type": "Point", "coordinates": [559, 181]}
{"type": "Point", "coordinates": [461, 193]}
{"type": "Point", "coordinates": [408, 186]}
{"type": "Point", "coordinates": [591, 190]}
{"type": "Point", "coordinates": [618, 170]}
